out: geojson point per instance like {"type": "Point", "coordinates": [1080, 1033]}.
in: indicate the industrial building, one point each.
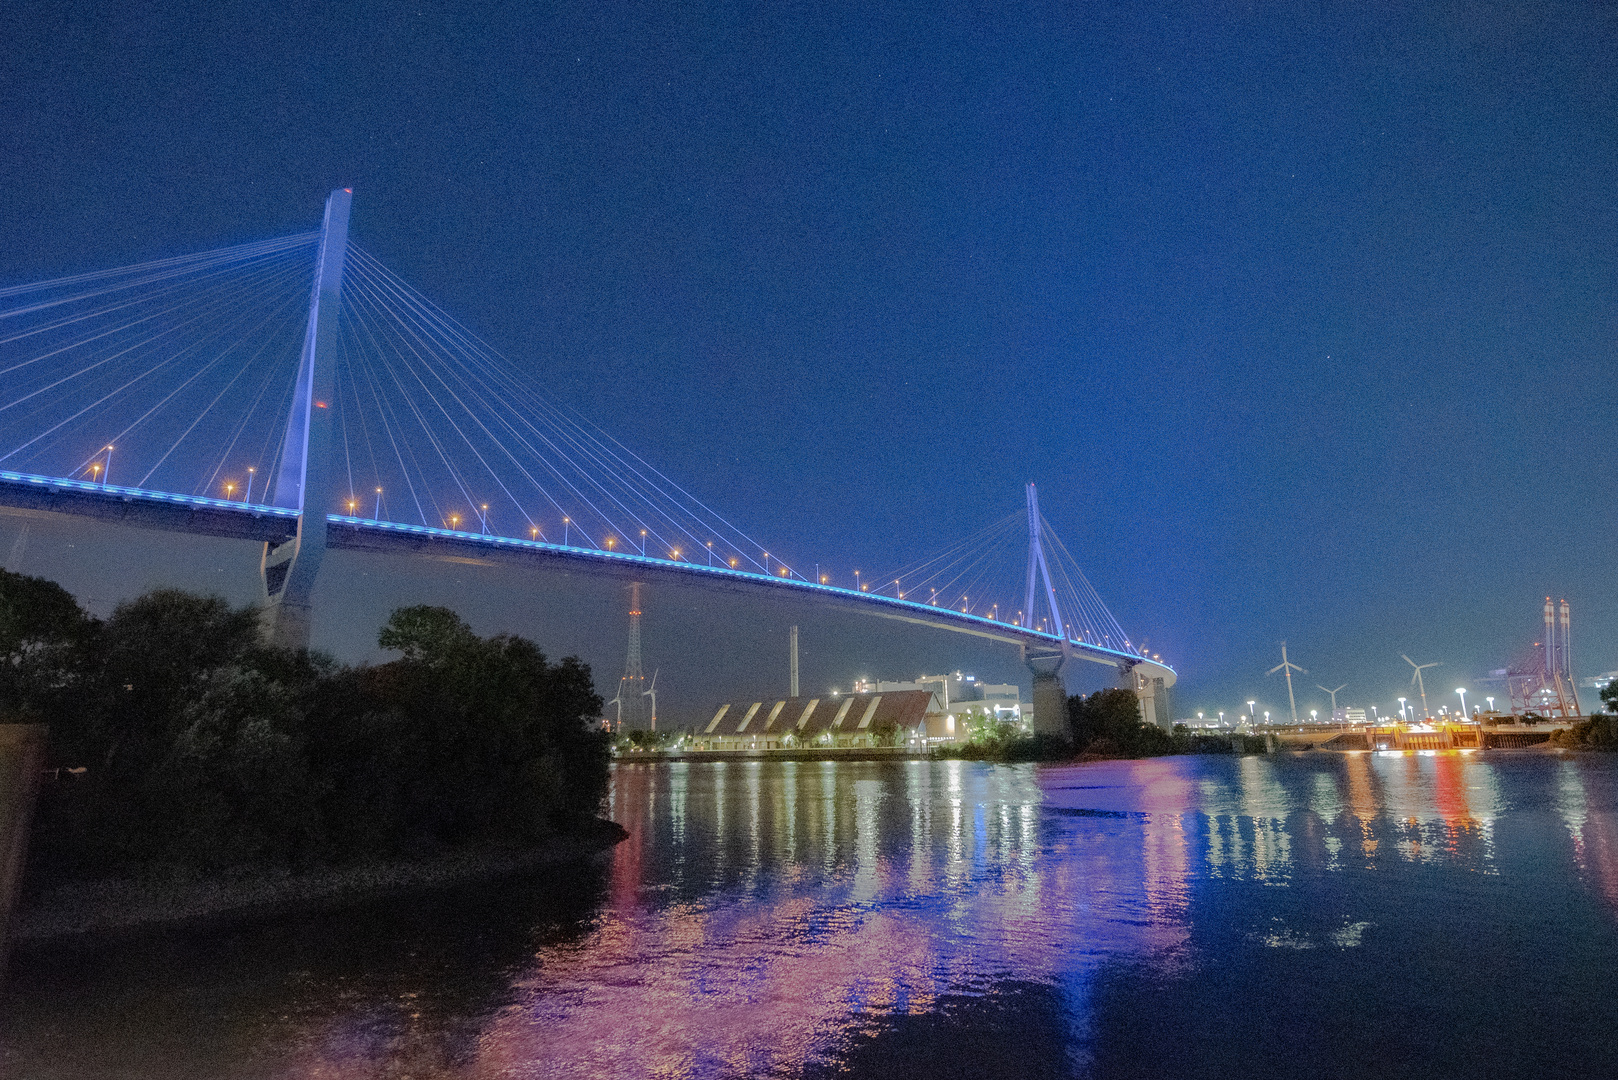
{"type": "Point", "coordinates": [962, 695]}
{"type": "Point", "coordinates": [903, 718]}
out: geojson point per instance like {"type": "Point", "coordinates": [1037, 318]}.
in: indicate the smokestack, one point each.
{"type": "Point", "coordinates": [792, 638]}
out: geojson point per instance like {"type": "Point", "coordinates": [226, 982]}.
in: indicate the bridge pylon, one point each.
{"type": "Point", "coordinates": [288, 569]}
{"type": "Point", "coordinates": [1050, 694]}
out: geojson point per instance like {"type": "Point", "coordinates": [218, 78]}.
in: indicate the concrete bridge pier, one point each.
{"type": "Point", "coordinates": [1050, 695]}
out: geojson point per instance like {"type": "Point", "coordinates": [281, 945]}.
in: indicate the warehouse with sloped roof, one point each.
{"type": "Point", "coordinates": [899, 718]}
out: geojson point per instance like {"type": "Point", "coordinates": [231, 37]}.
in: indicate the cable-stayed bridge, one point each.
{"type": "Point", "coordinates": [296, 393]}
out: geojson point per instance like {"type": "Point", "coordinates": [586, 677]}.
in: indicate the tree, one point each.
{"type": "Point", "coordinates": [45, 642]}
{"type": "Point", "coordinates": [207, 749]}
{"type": "Point", "coordinates": [236, 784]}
{"type": "Point", "coordinates": [152, 652]}
{"type": "Point", "coordinates": [434, 636]}
{"type": "Point", "coordinates": [1109, 722]}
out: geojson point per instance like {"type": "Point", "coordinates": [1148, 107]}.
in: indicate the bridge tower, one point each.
{"type": "Point", "coordinates": [288, 569]}
{"type": "Point", "coordinates": [1045, 662]}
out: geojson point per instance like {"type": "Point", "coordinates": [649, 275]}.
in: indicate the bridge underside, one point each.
{"type": "Point", "coordinates": [148, 509]}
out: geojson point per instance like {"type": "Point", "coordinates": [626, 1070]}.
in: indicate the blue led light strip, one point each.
{"type": "Point", "coordinates": [54, 483]}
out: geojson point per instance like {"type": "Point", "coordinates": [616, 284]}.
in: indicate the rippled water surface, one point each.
{"type": "Point", "coordinates": [1451, 914]}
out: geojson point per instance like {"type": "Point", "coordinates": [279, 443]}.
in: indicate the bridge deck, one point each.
{"type": "Point", "coordinates": [170, 512]}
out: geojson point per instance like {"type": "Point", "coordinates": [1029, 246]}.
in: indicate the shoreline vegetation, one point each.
{"type": "Point", "coordinates": [194, 772]}
{"type": "Point", "coordinates": [1106, 725]}
{"type": "Point", "coordinates": [1598, 732]}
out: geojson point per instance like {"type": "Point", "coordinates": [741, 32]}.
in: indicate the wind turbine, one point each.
{"type": "Point", "coordinates": [1421, 683]}
{"type": "Point", "coordinates": [1289, 667]}
{"type": "Point", "coordinates": [618, 701]}
{"type": "Point", "coordinates": [651, 692]}
{"type": "Point", "coordinates": [1333, 694]}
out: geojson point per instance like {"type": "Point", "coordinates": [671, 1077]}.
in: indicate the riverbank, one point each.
{"type": "Point", "coordinates": [813, 753]}
{"type": "Point", "coordinates": [92, 911]}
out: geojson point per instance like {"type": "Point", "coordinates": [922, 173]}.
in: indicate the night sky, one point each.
{"type": "Point", "coordinates": [1303, 319]}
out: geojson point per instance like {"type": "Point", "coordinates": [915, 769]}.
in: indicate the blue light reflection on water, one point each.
{"type": "Point", "coordinates": [1315, 914]}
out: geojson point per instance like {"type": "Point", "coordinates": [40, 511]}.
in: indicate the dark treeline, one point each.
{"type": "Point", "coordinates": [204, 749]}
{"type": "Point", "coordinates": [1109, 723]}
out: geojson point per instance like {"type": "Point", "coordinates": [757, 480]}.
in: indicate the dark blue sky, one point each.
{"type": "Point", "coordinates": [1302, 319]}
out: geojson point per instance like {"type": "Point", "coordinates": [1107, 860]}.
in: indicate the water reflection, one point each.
{"type": "Point", "coordinates": [1593, 825]}
{"type": "Point", "coordinates": [803, 918]}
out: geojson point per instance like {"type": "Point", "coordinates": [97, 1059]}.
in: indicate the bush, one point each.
{"type": "Point", "coordinates": [1598, 732]}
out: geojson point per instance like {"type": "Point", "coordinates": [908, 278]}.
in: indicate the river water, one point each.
{"type": "Point", "coordinates": [1311, 914]}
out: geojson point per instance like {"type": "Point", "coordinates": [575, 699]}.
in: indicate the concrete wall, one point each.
{"type": "Point", "coordinates": [22, 760]}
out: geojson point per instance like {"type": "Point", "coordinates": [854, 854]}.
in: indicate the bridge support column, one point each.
{"type": "Point", "coordinates": [289, 569]}
{"type": "Point", "coordinates": [1050, 695]}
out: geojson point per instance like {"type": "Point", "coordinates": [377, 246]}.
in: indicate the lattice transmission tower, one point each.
{"type": "Point", "coordinates": [632, 711]}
